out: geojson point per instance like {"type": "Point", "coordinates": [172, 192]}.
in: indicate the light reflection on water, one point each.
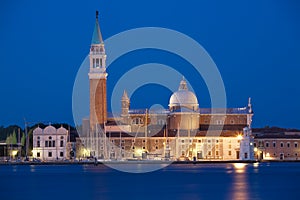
{"type": "Point", "coordinates": [177, 181]}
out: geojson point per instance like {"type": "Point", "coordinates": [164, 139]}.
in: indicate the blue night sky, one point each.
{"type": "Point", "coordinates": [255, 44]}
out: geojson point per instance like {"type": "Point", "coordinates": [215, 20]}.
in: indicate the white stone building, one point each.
{"type": "Point", "coordinates": [49, 144]}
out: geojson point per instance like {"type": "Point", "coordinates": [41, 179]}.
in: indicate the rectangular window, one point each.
{"type": "Point", "coordinates": [61, 143]}
{"type": "Point", "coordinates": [246, 155]}
{"type": "Point", "coordinates": [49, 154]}
{"type": "Point", "coordinates": [229, 153]}
{"type": "Point", "coordinates": [53, 143]}
{"type": "Point", "coordinates": [254, 144]}
{"type": "Point", "coordinates": [296, 145]}
{"type": "Point", "coordinates": [288, 145]}
{"type": "Point", "coordinates": [274, 144]}
{"type": "Point", "coordinates": [267, 144]}
{"type": "Point", "coordinates": [46, 143]}
{"type": "Point", "coordinates": [229, 146]}
{"type": "Point", "coordinates": [38, 154]}
{"type": "Point", "coordinates": [209, 153]}
{"type": "Point", "coordinates": [281, 144]}
{"type": "Point", "coordinates": [61, 154]}
{"type": "Point", "coordinates": [50, 143]}
{"type": "Point", "coordinates": [38, 143]}
{"type": "Point", "coordinates": [217, 153]}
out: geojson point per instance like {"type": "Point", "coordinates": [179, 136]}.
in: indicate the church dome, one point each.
{"type": "Point", "coordinates": [183, 98]}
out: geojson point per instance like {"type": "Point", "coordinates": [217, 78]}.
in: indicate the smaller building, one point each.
{"type": "Point", "coordinates": [49, 144]}
{"type": "Point", "coordinates": [277, 146]}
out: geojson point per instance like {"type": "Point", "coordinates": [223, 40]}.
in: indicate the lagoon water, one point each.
{"type": "Point", "coordinates": [177, 181]}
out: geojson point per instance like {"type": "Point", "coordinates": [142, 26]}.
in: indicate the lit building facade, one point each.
{"type": "Point", "coordinates": [183, 131]}
{"type": "Point", "coordinates": [277, 146]}
{"type": "Point", "coordinates": [49, 144]}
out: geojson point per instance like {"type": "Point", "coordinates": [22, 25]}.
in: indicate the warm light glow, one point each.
{"type": "Point", "coordinates": [33, 152]}
{"type": "Point", "coordinates": [139, 151]}
{"type": "Point", "coordinates": [239, 137]}
{"type": "Point", "coordinates": [86, 152]}
{"type": "Point", "coordinates": [239, 167]}
{"type": "Point", "coordinates": [255, 149]}
{"type": "Point", "coordinates": [268, 155]}
{"type": "Point", "coordinates": [14, 152]}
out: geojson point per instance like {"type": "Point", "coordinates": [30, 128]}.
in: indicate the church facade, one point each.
{"type": "Point", "coordinates": [184, 131]}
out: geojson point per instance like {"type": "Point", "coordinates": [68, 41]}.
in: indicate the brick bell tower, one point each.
{"type": "Point", "coordinates": [97, 77]}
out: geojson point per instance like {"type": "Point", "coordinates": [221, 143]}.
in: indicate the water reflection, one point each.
{"type": "Point", "coordinates": [239, 188]}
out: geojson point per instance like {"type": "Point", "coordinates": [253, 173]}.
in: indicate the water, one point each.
{"type": "Point", "coordinates": [201, 181]}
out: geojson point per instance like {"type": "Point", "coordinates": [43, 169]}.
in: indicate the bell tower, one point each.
{"type": "Point", "coordinates": [125, 104]}
{"type": "Point", "coordinates": [97, 76]}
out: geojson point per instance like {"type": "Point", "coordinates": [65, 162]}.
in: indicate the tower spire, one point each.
{"type": "Point", "coordinates": [97, 37]}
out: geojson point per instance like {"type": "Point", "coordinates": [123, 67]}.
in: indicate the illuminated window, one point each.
{"type": "Point", "coordinates": [137, 121]}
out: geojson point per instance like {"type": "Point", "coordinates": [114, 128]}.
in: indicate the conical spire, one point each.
{"type": "Point", "coordinates": [97, 37]}
{"type": "Point", "coordinates": [125, 96]}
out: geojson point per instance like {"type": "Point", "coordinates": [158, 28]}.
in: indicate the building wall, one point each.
{"type": "Point", "coordinates": [49, 145]}
{"type": "Point", "coordinates": [203, 148]}
{"type": "Point", "coordinates": [98, 102]}
{"type": "Point", "coordinates": [277, 148]}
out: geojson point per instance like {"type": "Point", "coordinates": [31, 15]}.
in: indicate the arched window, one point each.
{"type": "Point", "coordinates": [161, 122]}
{"type": "Point", "coordinates": [137, 120]}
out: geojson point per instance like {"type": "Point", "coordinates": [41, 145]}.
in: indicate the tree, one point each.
{"type": "Point", "coordinates": [14, 138]}
{"type": "Point", "coordinates": [23, 139]}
